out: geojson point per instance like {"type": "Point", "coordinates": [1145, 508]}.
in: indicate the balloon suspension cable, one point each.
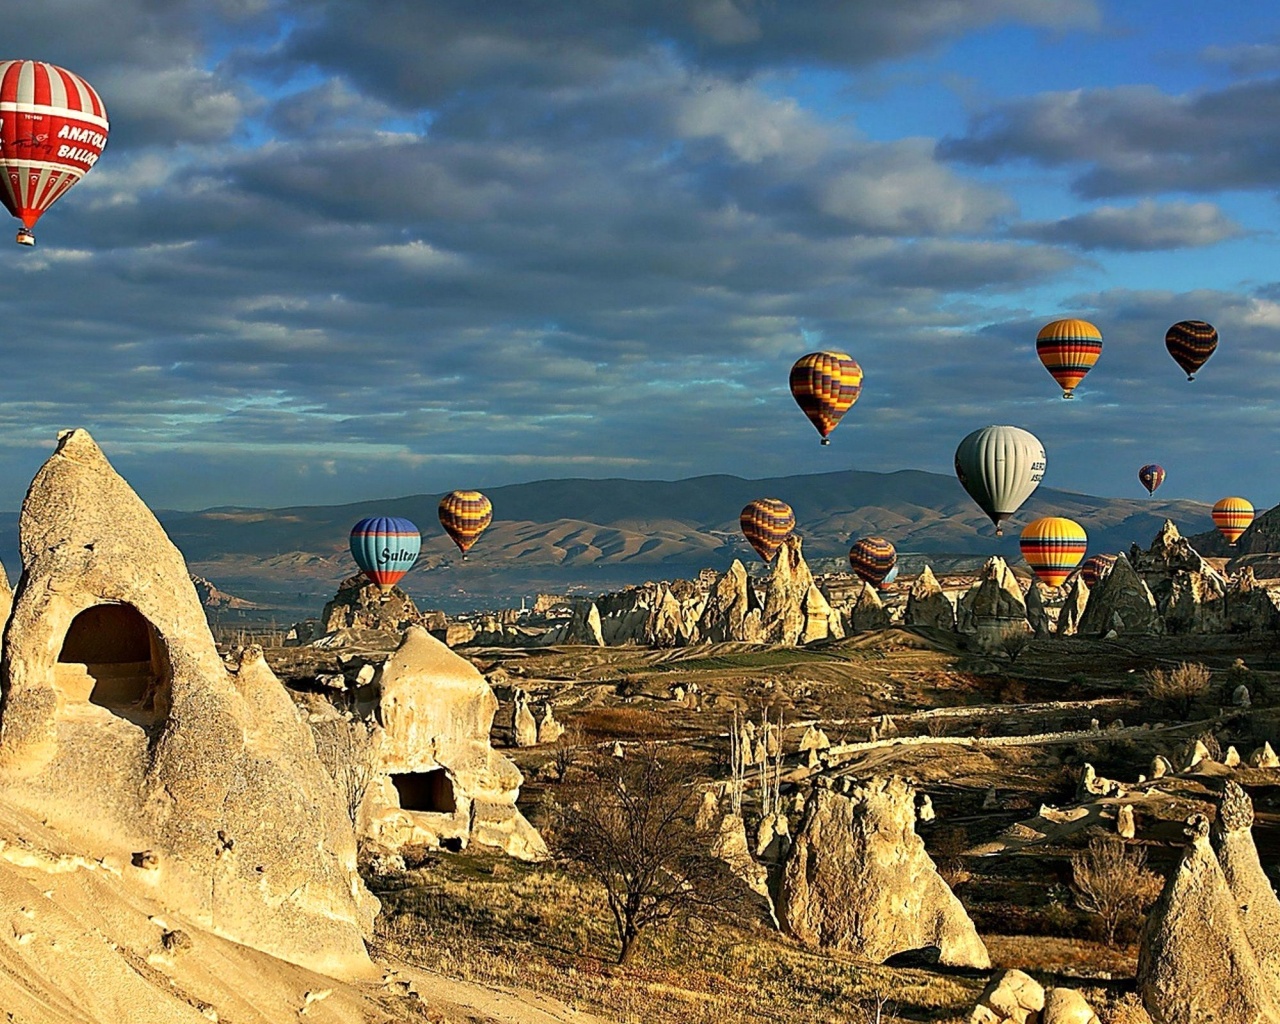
{"type": "Point", "coordinates": [25, 237]}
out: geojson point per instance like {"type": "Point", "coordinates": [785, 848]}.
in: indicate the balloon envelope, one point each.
{"type": "Point", "coordinates": [1191, 343]}
{"type": "Point", "coordinates": [1053, 546]}
{"type": "Point", "coordinates": [872, 559]}
{"type": "Point", "coordinates": [1068, 349]}
{"type": "Point", "coordinates": [1000, 466]}
{"type": "Point", "coordinates": [465, 515]}
{"type": "Point", "coordinates": [53, 127]}
{"type": "Point", "coordinates": [1095, 567]}
{"type": "Point", "coordinates": [825, 385]}
{"type": "Point", "coordinates": [767, 523]}
{"type": "Point", "coordinates": [385, 547]}
{"type": "Point", "coordinates": [1232, 517]}
{"type": "Point", "coordinates": [1151, 476]}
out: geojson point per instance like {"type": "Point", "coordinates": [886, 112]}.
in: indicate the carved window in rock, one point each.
{"type": "Point", "coordinates": [430, 791]}
{"type": "Point", "coordinates": [114, 658]}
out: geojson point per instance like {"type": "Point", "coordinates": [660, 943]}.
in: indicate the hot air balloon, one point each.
{"type": "Point", "coordinates": [1000, 467]}
{"type": "Point", "coordinates": [465, 515]}
{"type": "Point", "coordinates": [1068, 349]}
{"type": "Point", "coordinates": [1151, 477]}
{"type": "Point", "coordinates": [1191, 343]}
{"type": "Point", "coordinates": [873, 558]}
{"type": "Point", "coordinates": [766, 523]}
{"type": "Point", "coordinates": [1232, 517]}
{"type": "Point", "coordinates": [385, 547]}
{"type": "Point", "coordinates": [53, 127]}
{"type": "Point", "coordinates": [890, 578]}
{"type": "Point", "coordinates": [1053, 546]}
{"type": "Point", "coordinates": [1095, 567]}
{"type": "Point", "coordinates": [825, 385]}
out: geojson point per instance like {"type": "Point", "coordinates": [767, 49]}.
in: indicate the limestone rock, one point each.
{"type": "Point", "coordinates": [1011, 997]}
{"type": "Point", "coordinates": [1125, 825]}
{"type": "Point", "coordinates": [814, 739]}
{"type": "Point", "coordinates": [1231, 758]}
{"type": "Point", "coordinates": [1195, 962]}
{"type": "Point", "coordinates": [1121, 601]}
{"type": "Point", "coordinates": [437, 780]}
{"type": "Point", "coordinates": [1196, 753]}
{"type": "Point", "coordinates": [993, 604]}
{"type": "Point", "coordinates": [928, 605]}
{"type": "Point", "coordinates": [858, 879]}
{"type": "Point", "coordinates": [1073, 608]}
{"type": "Point", "coordinates": [524, 725]}
{"type": "Point", "coordinates": [1160, 767]}
{"type": "Point", "coordinates": [549, 730]}
{"type": "Point", "coordinates": [1037, 616]}
{"type": "Point", "coordinates": [123, 729]}
{"type": "Point", "coordinates": [1250, 608]}
{"type": "Point", "coordinates": [866, 611]}
{"type": "Point", "coordinates": [359, 604]}
{"type": "Point", "coordinates": [583, 626]}
{"type": "Point", "coordinates": [1255, 900]}
{"type": "Point", "coordinates": [1066, 1006]}
{"type": "Point", "coordinates": [727, 614]}
{"type": "Point", "coordinates": [795, 612]}
{"type": "Point", "coordinates": [730, 845]}
{"type": "Point", "coordinates": [1264, 757]}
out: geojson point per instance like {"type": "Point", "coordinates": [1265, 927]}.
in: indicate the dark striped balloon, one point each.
{"type": "Point", "coordinates": [1191, 343]}
{"type": "Point", "coordinates": [825, 385]}
{"type": "Point", "coordinates": [385, 548]}
{"type": "Point", "coordinates": [1151, 477]}
{"type": "Point", "coordinates": [873, 558]}
{"type": "Point", "coordinates": [465, 515]}
{"type": "Point", "coordinates": [1053, 546]}
{"type": "Point", "coordinates": [1068, 349]}
{"type": "Point", "coordinates": [1095, 567]}
{"type": "Point", "coordinates": [767, 523]}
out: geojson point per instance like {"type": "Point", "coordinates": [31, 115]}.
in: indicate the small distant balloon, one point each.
{"type": "Point", "coordinates": [873, 559]}
{"type": "Point", "coordinates": [385, 548]}
{"type": "Point", "coordinates": [825, 385]}
{"type": "Point", "coordinates": [1053, 546]}
{"type": "Point", "coordinates": [1191, 343]}
{"type": "Point", "coordinates": [767, 523]}
{"type": "Point", "coordinates": [1151, 477]}
{"type": "Point", "coordinates": [1068, 349]}
{"type": "Point", "coordinates": [1095, 567]}
{"type": "Point", "coordinates": [465, 515]}
{"type": "Point", "coordinates": [1000, 466]}
{"type": "Point", "coordinates": [1232, 517]}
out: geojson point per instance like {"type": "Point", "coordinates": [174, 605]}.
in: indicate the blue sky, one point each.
{"type": "Point", "coordinates": [338, 250]}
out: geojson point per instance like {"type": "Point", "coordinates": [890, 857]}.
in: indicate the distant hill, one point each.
{"type": "Point", "coordinates": [591, 535]}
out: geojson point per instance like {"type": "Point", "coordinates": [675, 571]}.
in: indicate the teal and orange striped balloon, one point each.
{"type": "Point", "coordinates": [1191, 343]}
{"type": "Point", "coordinates": [385, 548]}
{"type": "Point", "coordinates": [465, 515]}
{"type": "Point", "coordinates": [1053, 546]}
{"type": "Point", "coordinates": [1095, 567]}
{"type": "Point", "coordinates": [825, 385]}
{"type": "Point", "coordinates": [1068, 349]}
{"type": "Point", "coordinates": [873, 558]}
{"type": "Point", "coordinates": [1232, 517]}
{"type": "Point", "coordinates": [767, 523]}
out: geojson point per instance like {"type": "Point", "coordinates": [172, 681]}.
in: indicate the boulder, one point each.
{"type": "Point", "coordinates": [1195, 962]}
{"type": "Point", "coordinates": [437, 782]}
{"type": "Point", "coordinates": [1073, 608]}
{"type": "Point", "coordinates": [993, 605]}
{"type": "Point", "coordinates": [1264, 757]}
{"type": "Point", "coordinates": [858, 879]}
{"type": "Point", "coordinates": [1126, 828]}
{"type": "Point", "coordinates": [1066, 1006]}
{"type": "Point", "coordinates": [123, 729]}
{"type": "Point", "coordinates": [1255, 899]}
{"type": "Point", "coordinates": [928, 605]}
{"type": "Point", "coordinates": [1011, 997]}
{"type": "Point", "coordinates": [1161, 766]}
{"type": "Point", "coordinates": [1121, 602]}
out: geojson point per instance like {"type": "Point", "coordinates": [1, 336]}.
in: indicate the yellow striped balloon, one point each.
{"type": "Point", "coordinates": [825, 385]}
{"type": "Point", "coordinates": [873, 558]}
{"type": "Point", "coordinates": [1053, 546]}
{"type": "Point", "coordinates": [1068, 349]}
{"type": "Point", "coordinates": [767, 523]}
{"type": "Point", "coordinates": [465, 515]}
{"type": "Point", "coordinates": [1232, 517]}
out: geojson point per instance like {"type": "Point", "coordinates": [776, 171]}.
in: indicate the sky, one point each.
{"type": "Point", "coordinates": [337, 251]}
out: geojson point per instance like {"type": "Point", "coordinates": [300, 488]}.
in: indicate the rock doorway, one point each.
{"type": "Point", "coordinates": [430, 791]}
{"type": "Point", "coordinates": [114, 658]}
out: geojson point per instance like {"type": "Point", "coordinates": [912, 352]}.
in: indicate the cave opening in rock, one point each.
{"type": "Point", "coordinates": [430, 791]}
{"type": "Point", "coordinates": [114, 658]}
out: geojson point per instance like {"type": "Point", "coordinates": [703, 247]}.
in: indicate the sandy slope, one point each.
{"type": "Point", "coordinates": [82, 941]}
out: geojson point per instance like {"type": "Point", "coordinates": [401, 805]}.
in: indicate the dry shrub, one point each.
{"type": "Point", "coordinates": [1110, 881]}
{"type": "Point", "coordinates": [624, 724]}
{"type": "Point", "coordinates": [1178, 688]}
{"type": "Point", "coordinates": [947, 844]}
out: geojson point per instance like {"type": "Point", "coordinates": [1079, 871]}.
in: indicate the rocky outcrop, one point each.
{"type": "Point", "coordinates": [993, 605]}
{"type": "Point", "coordinates": [1255, 899]}
{"type": "Point", "coordinates": [857, 878]}
{"type": "Point", "coordinates": [927, 605]}
{"type": "Point", "coordinates": [1011, 997]}
{"type": "Point", "coordinates": [795, 612]}
{"type": "Point", "coordinates": [1072, 610]}
{"type": "Point", "coordinates": [1195, 962]}
{"type": "Point", "coordinates": [123, 729]}
{"type": "Point", "coordinates": [1037, 616]}
{"type": "Point", "coordinates": [1250, 608]}
{"type": "Point", "coordinates": [864, 610]}
{"type": "Point", "coordinates": [1121, 602]}
{"type": "Point", "coordinates": [359, 604]}
{"type": "Point", "coordinates": [436, 780]}
{"type": "Point", "coordinates": [731, 611]}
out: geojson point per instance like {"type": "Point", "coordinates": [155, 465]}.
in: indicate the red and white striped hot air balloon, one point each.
{"type": "Point", "coordinates": [53, 127]}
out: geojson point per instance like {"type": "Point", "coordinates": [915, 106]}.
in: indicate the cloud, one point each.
{"type": "Point", "coordinates": [1144, 227]}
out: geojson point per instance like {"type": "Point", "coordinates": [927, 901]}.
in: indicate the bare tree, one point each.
{"type": "Point", "coordinates": [343, 746]}
{"type": "Point", "coordinates": [1111, 881]}
{"type": "Point", "coordinates": [1014, 640]}
{"type": "Point", "coordinates": [632, 826]}
{"type": "Point", "coordinates": [1179, 687]}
